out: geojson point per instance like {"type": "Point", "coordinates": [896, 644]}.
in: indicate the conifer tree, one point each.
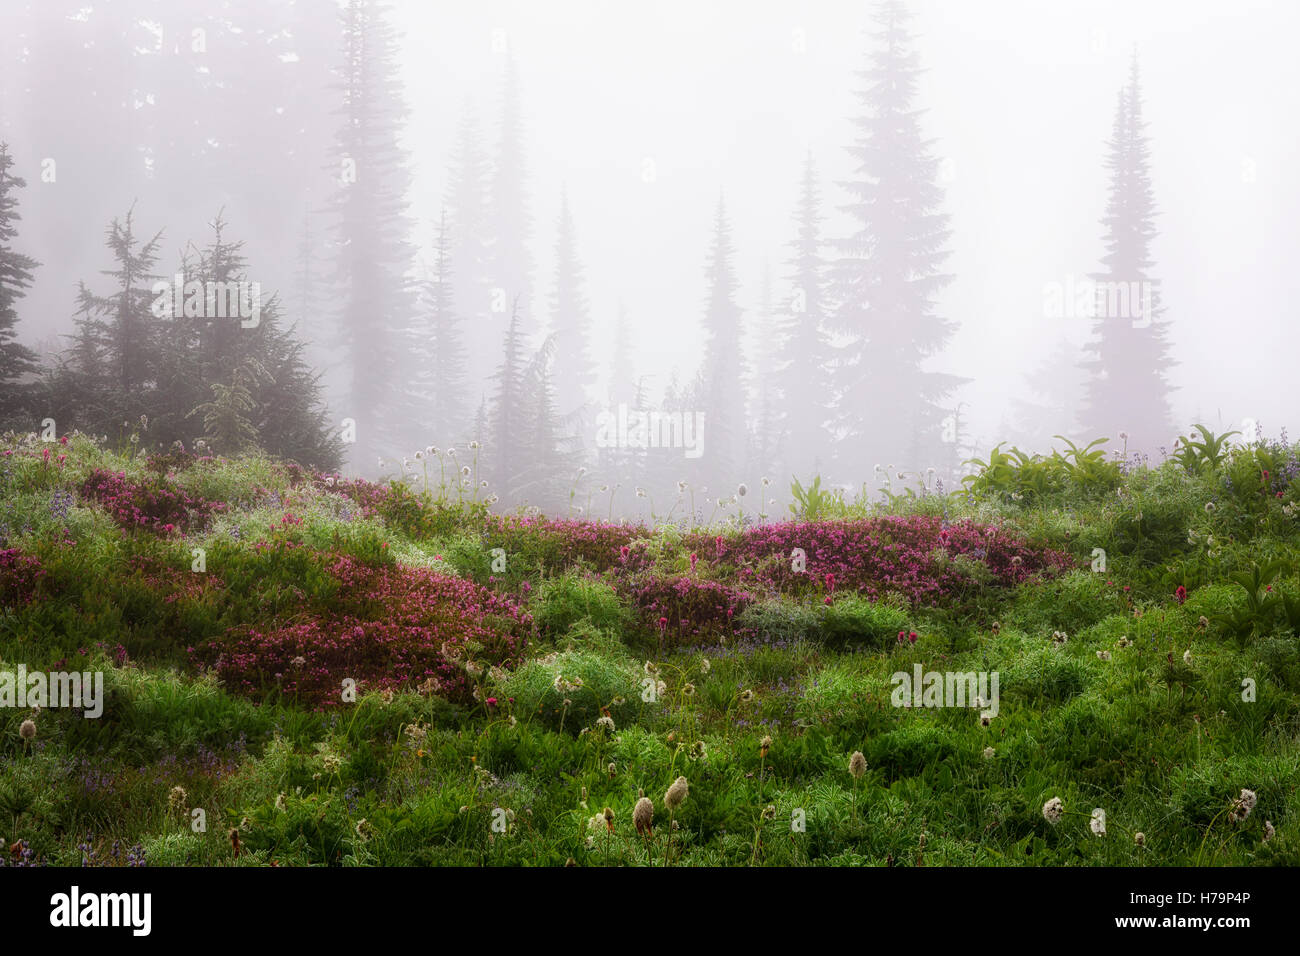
{"type": "Point", "coordinates": [508, 416]}
{"type": "Point", "coordinates": [509, 219]}
{"type": "Point", "coordinates": [888, 275]}
{"type": "Point", "coordinates": [469, 181]}
{"type": "Point", "coordinates": [573, 371]}
{"type": "Point", "coordinates": [1127, 389]}
{"type": "Point", "coordinates": [721, 369]}
{"type": "Point", "coordinates": [16, 360]}
{"type": "Point", "coordinates": [374, 255]}
{"type": "Point", "coordinates": [805, 357]}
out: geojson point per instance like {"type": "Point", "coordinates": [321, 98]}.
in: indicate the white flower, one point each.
{"type": "Point", "coordinates": [1103, 655]}
{"type": "Point", "coordinates": [742, 490]}
{"type": "Point", "coordinates": [1187, 657]}
{"type": "Point", "coordinates": [989, 753]}
{"type": "Point", "coordinates": [1053, 810]}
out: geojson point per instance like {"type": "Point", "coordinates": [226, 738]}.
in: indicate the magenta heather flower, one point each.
{"type": "Point", "coordinates": [385, 628]}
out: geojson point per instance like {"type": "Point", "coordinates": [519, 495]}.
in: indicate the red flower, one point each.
{"type": "Point", "coordinates": [911, 637]}
{"type": "Point", "coordinates": [1180, 593]}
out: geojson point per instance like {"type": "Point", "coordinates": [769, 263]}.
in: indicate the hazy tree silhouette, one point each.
{"type": "Point", "coordinates": [1128, 389]}
{"type": "Point", "coordinates": [374, 256]}
{"type": "Point", "coordinates": [509, 220]}
{"type": "Point", "coordinates": [437, 394]}
{"type": "Point", "coordinates": [888, 274]}
{"type": "Point", "coordinates": [805, 356]}
{"type": "Point", "coordinates": [469, 181]}
{"type": "Point", "coordinates": [573, 371]}
{"type": "Point", "coordinates": [722, 368]}
{"type": "Point", "coordinates": [16, 360]}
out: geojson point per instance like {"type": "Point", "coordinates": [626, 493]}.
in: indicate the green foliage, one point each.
{"type": "Point", "coordinates": [589, 681]}
{"type": "Point", "coordinates": [1139, 708]}
{"type": "Point", "coordinates": [561, 602]}
{"type": "Point", "coordinates": [1199, 455]}
{"type": "Point", "coordinates": [850, 621]}
{"type": "Point", "coordinates": [811, 503]}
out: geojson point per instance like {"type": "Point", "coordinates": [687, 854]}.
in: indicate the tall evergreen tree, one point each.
{"type": "Point", "coordinates": [573, 370]}
{"type": "Point", "coordinates": [437, 393]}
{"type": "Point", "coordinates": [469, 182]}
{"type": "Point", "coordinates": [124, 330]}
{"type": "Point", "coordinates": [767, 439]}
{"type": "Point", "coordinates": [725, 434]}
{"type": "Point", "coordinates": [374, 253]}
{"type": "Point", "coordinates": [508, 415]}
{"type": "Point", "coordinates": [806, 357]}
{"type": "Point", "coordinates": [547, 473]}
{"type": "Point", "coordinates": [510, 222]}
{"type": "Point", "coordinates": [240, 380]}
{"type": "Point", "coordinates": [1127, 387]}
{"type": "Point", "coordinates": [886, 280]}
{"type": "Point", "coordinates": [16, 360]}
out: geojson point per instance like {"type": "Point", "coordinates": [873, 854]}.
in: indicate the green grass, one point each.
{"type": "Point", "coordinates": [1149, 709]}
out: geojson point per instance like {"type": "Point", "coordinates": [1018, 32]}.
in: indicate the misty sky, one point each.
{"type": "Point", "coordinates": [1020, 99]}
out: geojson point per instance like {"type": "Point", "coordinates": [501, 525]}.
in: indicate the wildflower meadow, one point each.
{"type": "Point", "coordinates": [304, 670]}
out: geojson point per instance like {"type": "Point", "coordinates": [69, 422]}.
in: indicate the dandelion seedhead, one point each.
{"type": "Point", "coordinates": [1053, 810]}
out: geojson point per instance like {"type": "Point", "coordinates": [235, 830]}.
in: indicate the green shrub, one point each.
{"type": "Point", "coordinates": [588, 680]}
{"type": "Point", "coordinates": [561, 602]}
{"type": "Point", "coordinates": [854, 620]}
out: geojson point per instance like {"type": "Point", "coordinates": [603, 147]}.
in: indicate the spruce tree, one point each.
{"type": "Point", "coordinates": [723, 387]}
{"type": "Point", "coordinates": [1127, 389]}
{"type": "Point", "coordinates": [437, 393]}
{"type": "Point", "coordinates": [123, 329]}
{"type": "Point", "coordinates": [888, 274]}
{"type": "Point", "coordinates": [573, 370]}
{"type": "Point", "coordinates": [16, 360]}
{"type": "Point", "coordinates": [374, 256]}
{"type": "Point", "coordinates": [469, 180]}
{"type": "Point", "coordinates": [508, 416]}
{"type": "Point", "coordinates": [806, 357]}
{"type": "Point", "coordinates": [509, 219]}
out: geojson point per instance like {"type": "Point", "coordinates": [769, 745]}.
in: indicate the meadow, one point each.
{"type": "Point", "coordinates": [302, 669]}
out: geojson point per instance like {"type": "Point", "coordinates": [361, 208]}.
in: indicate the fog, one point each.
{"type": "Point", "coordinates": [645, 118]}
